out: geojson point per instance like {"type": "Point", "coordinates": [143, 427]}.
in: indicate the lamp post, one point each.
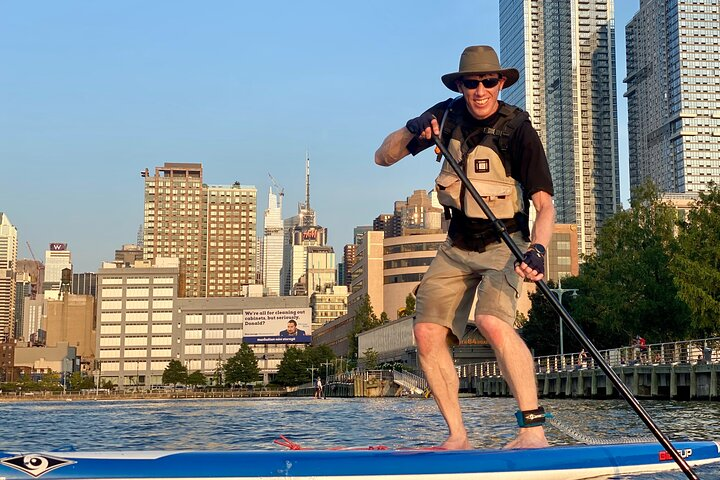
{"type": "Point", "coordinates": [338, 366]}
{"type": "Point", "coordinates": [99, 372]}
{"type": "Point", "coordinates": [327, 369]}
{"type": "Point", "coordinates": [559, 292]}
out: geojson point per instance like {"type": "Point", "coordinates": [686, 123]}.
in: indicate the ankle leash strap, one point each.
{"type": "Point", "coordinates": [532, 418]}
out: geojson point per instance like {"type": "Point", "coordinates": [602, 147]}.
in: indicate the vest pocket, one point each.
{"type": "Point", "coordinates": [499, 197]}
{"type": "Point", "coordinates": [447, 186]}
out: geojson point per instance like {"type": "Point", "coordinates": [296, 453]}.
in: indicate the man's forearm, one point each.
{"type": "Point", "coordinates": [544, 220]}
{"type": "Point", "coordinates": [543, 228]}
{"type": "Point", "coordinates": [394, 147]}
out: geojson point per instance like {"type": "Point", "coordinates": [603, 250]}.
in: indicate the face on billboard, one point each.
{"type": "Point", "coordinates": [292, 327]}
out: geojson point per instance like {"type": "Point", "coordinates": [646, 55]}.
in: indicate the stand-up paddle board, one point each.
{"type": "Point", "coordinates": [563, 462]}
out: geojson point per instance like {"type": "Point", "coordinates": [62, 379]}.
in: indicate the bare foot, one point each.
{"type": "Point", "coordinates": [529, 438]}
{"type": "Point", "coordinates": [459, 443]}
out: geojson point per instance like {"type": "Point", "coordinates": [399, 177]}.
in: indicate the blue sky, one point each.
{"type": "Point", "coordinates": [91, 93]}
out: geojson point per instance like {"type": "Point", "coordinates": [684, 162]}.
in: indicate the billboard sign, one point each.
{"type": "Point", "coordinates": [310, 234]}
{"type": "Point", "coordinates": [58, 247]}
{"type": "Point", "coordinates": [277, 325]}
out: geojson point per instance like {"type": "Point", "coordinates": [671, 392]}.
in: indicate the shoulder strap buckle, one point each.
{"type": "Point", "coordinates": [445, 116]}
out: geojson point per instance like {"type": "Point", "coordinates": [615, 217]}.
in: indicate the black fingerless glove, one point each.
{"type": "Point", "coordinates": [535, 260]}
{"type": "Point", "coordinates": [418, 125]}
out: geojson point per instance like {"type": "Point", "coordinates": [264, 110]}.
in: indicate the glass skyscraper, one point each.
{"type": "Point", "coordinates": [673, 90]}
{"type": "Point", "coordinates": [565, 52]}
{"type": "Point", "coordinates": [272, 254]}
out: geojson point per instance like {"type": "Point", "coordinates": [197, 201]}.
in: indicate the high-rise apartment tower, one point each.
{"type": "Point", "coordinates": [673, 91]}
{"type": "Point", "coordinates": [565, 52]}
{"type": "Point", "coordinates": [211, 229]}
{"type": "Point", "coordinates": [8, 257]}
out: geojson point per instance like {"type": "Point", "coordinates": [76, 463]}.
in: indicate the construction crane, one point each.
{"type": "Point", "coordinates": [281, 191]}
{"type": "Point", "coordinates": [31, 251]}
{"type": "Point", "coordinates": [35, 282]}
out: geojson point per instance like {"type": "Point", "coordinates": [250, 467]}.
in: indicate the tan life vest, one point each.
{"type": "Point", "coordinates": [486, 171]}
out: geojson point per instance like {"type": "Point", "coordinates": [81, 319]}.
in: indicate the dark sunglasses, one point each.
{"type": "Point", "coordinates": [472, 84]}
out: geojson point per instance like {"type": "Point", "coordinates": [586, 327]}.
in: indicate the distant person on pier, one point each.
{"type": "Point", "coordinates": [502, 155]}
{"type": "Point", "coordinates": [640, 349]}
{"type": "Point", "coordinates": [582, 359]}
{"type": "Point", "coordinates": [318, 388]}
{"type": "Point", "coordinates": [292, 330]}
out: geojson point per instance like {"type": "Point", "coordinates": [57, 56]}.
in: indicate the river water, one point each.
{"type": "Point", "coordinates": [395, 422]}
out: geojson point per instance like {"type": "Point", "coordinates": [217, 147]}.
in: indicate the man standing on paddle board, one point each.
{"type": "Point", "coordinates": [504, 159]}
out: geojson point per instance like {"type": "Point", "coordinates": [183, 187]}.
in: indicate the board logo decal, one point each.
{"type": "Point", "coordinates": [664, 456]}
{"type": "Point", "coordinates": [35, 464]}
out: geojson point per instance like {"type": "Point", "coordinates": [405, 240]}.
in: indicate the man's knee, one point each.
{"type": "Point", "coordinates": [427, 335]}
{"type": "Point", "coordinates": [492, 328]}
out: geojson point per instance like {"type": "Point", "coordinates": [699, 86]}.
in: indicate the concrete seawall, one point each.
{"type": "Point", "coordinates": [127, 395]}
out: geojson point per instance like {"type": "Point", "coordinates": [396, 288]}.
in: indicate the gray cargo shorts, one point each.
{"type": "Point", "coordinates": [448, 288]}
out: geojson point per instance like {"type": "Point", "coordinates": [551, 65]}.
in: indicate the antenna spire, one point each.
{"type": "Point", "coordinates": [307, 180]}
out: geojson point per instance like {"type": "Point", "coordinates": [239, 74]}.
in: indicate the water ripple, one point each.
{"type": "Point", "coordinates": [395, 422]}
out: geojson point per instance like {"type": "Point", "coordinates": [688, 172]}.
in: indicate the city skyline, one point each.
{"type": "Point", "coordinates": [94, 95]}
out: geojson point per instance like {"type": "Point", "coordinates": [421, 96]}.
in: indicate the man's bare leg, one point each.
{"type": "Point", "coordinates": [516, 365]}
{"type": "Point", "coordinates": [439, 369]}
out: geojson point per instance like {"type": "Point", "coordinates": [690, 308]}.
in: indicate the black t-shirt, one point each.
{"type": "Point", "coordinates": [527, 156]}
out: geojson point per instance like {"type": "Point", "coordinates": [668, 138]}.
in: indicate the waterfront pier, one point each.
{"type": "Point", "coordinates": [683, 382]}
{"type": "Point", "coordinates": [679, 370]}
{"type": "Point", "coordinates": [686, 370]}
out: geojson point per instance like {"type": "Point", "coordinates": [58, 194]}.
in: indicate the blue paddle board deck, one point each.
{"type": "Point", "coordinates": [563, 462]}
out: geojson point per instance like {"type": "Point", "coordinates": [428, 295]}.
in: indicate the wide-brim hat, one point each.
{"type": "Point", "coordinates": [478, 60]}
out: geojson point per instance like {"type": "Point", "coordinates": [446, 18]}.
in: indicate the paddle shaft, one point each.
{"type": "Point", "coordinates": [569, 321]}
